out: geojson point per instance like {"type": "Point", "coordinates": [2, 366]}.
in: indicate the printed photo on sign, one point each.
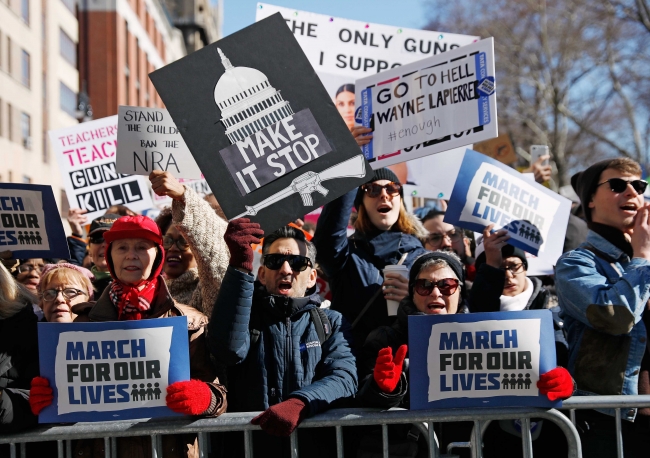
{"type": "Point", "coordinates": [489, 192]}
{"type": "Point", "coordinates": [86, 155]}
{"type": "Point", "coordinates": [483, 359]}
{"type": "Point", "coordinates": [259, 123]}
{"type": "Point", "coordinates": [429, 99]}
{"type": "Point", "coordinates": [112, 371]}
{"type": "Point", "coordinates": [147, 140]}
{"type": "Point", "coordinates": [30, 224]}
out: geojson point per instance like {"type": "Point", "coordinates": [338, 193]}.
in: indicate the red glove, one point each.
{"type": "Point", "coordinates": [556, 384]}
{"type": "Point", "coordinates": [281, 419]}
{"type": "Point", "coordinates": [239, 236]}
{"type": "Point", "coordinates": [191, 397]}
{"type": "Point", "coordinates": [40, 395]}
{"type": "Point", "coordinates": [388, 370]}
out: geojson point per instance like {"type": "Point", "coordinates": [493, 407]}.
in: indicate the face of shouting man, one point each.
{"type": "Point", "coordinates": [280, 271]}
{"type": "Point", "coordinates": [613, 206]}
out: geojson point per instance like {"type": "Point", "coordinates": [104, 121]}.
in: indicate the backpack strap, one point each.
{"type": "Point", "coordinates": [321, 323]}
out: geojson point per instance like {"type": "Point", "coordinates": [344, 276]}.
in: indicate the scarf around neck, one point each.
{"type": "Point", "coordinates": [131, 302]}
{"type": "Point", "coordinates": [518, 302]}
{"type": "Point", "coordinates": [614, 236]}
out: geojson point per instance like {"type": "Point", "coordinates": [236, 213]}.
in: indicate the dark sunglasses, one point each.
{"type": "Point", "coordinates": [374, 190]}
{"type": "Point", "coordinates": [447, 286]}
{"type": "Point", "coordinates": [180, 242]}
{"type": "Point", "coordinates": [296, 262]}
{"type": "Point", "coordinates": [97, 238]}
{"type": "Point", "coordinates": [619, 185]}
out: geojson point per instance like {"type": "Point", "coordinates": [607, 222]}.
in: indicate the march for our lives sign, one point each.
{"type": "Point", "coordinates": [480, 359]}
{"type": "Point", "coordinates": [113, 370]}
{"type": "Point", "coordinates": [489, 192]}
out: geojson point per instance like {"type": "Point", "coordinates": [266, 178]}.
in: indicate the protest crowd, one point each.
{"type": "Point", "coordinates": [289, 321]}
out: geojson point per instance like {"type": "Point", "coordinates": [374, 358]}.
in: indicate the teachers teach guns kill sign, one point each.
{"type": "Point", "coordinates": [86, 157]}
{"type": "Point", "coordinates": [261, 126]}
{"type": "Point", "coordinates": [489, 192]}
{"type": "Point", "coordinates": [113, 370]}
{"type": "Point", "coordinates": [440, 102]}
{"type": "Point", "coordinates": [480, 359]}
{"type": "Point", "coordinates": [30, 224]}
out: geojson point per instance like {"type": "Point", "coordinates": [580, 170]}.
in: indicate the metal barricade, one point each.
{"type": "Point", "coordinates": [337, 418]}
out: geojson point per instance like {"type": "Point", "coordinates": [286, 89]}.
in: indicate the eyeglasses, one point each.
{"type": "Point", "coordinates": [25, 268]}
{"type": "Point", "coordinates": [68, 293]}
{"type": "Point", "coordinates": [514, 268]}
{"type": "Point", "coordinates": [619, 185]}
{"type": "Point", "coordinates": [180, 242]}
{"type": "Point", "coordinates": [455, 235]}
{"type": "Point", "coordinates": [374, 190]}
{"type": "Point", "coordinates": [296, 262]}
{"type": "Point", "coordinates": [97, 238]}
{"type": "Point", "coordinates": [447, 286]}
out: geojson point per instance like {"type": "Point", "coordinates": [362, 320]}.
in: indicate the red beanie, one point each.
{"type": "Point", "coordinates": [135, 227]}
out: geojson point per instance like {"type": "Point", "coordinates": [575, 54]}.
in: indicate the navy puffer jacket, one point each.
{"type": "Point", "coordinates": [285, 359]}
{"type": "Point", "coordinates": [354, 265]}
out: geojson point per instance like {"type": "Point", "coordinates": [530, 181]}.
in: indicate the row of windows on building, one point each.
{"type": "Point", "coordinates": [8, 115]}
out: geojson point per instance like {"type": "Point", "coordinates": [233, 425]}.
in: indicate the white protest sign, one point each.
{"type": "Point", "coordinates": [489, 192]}
{"type": "Point", "coordinates": [429, 101]}
{"type": "Point", "coordinates": [147, 140]}
{"type": "Point", "coordinates": [86, 157]}
{"type": "Point", "coordinates": [343, 50]}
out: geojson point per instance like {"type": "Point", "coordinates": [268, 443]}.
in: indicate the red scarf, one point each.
{"type": "Point", "coordinates": [131, 302]}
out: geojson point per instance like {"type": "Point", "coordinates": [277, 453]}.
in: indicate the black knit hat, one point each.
{"type": "Point", "coordinates": [451, 259]}
{"type": "Point", "coordinates": [584, 184]}
{"type": "Point", "coordinates": [380, 174]}
{"type": "Point", "coordinates": [508, 251]}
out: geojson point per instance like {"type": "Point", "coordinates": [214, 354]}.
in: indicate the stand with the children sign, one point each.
{"type": "Point", "coordinates": [114, 370]}
{"type": "Point", "coordinates": [480, 359]}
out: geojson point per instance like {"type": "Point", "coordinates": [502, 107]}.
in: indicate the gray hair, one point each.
{"type": "Point", "coordinates": [288, 232]}
{"type": "Point", "coordinates": [440, 263]}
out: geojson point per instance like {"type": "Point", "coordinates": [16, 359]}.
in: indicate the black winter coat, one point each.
{"type": "Point", "coordinates": [354, 266]}
{"type": "Point", "coordinates": [18, 366]}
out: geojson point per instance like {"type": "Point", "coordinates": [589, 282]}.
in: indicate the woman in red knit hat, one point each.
{"type": "Point", "coordinates": [135, 258]}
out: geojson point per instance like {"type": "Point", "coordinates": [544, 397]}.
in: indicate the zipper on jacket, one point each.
{"type": "Point", "coordinates": [287, 366]}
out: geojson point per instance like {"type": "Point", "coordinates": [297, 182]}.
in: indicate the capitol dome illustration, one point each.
{"type": "Point", "coordinates": [247, 101]}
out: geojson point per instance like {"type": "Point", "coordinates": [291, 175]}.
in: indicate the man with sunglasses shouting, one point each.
{"type": "Point", "coordinates": [285, 354]}
{"type": "Point", "coordinates": [603, 288]}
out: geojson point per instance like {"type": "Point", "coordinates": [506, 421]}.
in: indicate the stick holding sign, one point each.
{"type": "Point", "coordinates": [310, 182]}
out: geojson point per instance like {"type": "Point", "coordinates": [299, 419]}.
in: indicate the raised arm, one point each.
{"type": "Point", "coordinates": [331, 238]}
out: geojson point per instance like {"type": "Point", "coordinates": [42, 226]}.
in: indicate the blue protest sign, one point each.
{"type": "Point", "coordinates": [489, 192]}
{"type": "Point", "coordinates": [30, 224]}
{"type": "Point", "coordinates": [480, 359]}
{"type": "Point", "coordinates": [116, 370]}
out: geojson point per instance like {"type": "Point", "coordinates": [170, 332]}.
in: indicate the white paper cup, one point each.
{"type": "Point", "coordinates": [404, 272]}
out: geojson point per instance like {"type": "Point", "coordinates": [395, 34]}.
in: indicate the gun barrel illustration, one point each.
{"type": "Point", "coordinates": [310, 182]}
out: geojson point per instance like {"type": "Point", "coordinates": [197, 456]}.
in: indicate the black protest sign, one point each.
{"type": "Point", "coordinates": [261, 126]}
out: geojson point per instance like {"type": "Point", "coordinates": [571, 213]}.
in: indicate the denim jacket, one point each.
{"type": "Point", "coordinates": [603, 293]}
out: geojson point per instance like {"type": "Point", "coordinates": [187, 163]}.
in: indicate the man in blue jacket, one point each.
{"type": "Point", "coordinates": [285, 354]}
{"type": "Point", "coordinates": [603, 288]}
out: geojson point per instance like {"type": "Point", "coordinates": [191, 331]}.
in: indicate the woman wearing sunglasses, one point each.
{"type": "Point", "coordinates": [384, 232]}
{"type": "Point", "coordinates": [196, 256]}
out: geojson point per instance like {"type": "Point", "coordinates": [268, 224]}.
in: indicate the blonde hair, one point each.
{"type": "Point", "coordinates": [13, 296]}
{"type": "Point", "coordinates": [66, 275]}
{"type": "Point", "coordinates": [403, 224]}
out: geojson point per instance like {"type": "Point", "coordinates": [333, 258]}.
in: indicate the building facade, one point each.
{"type": "Point", "coordinates": [198, 20]}
{"type": "Point", "coordinates": [39, 82]}
{"type": "Point", "coordinates": [121, 42]}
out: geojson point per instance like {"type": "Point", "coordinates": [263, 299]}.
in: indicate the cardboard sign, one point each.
{"type": "Point", "coordinates": [261, 126]}
{"type": "Point", "coordinates": [147, 140]}
{"type": "Point", "coordinates": [30, 224]}
{"type": "Point", "coordinates": [480, 359]}
{"type": "Point", "coordinates": [117, 370]}
{"type": "Point", "coordinates": [489, 192]}
{"type": "Point", "coordinates": [86, 156]}
{"type": "Point", "coordinates": [430, 100]}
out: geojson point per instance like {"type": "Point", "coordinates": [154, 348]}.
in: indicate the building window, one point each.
{"type": "Point", "coordinates": [25, 65]}
{"type": "Point", "coordinates": [1, 119]}
{"type": "Point", "coordinates": [10, 123]}
{"type": "Point", "coordinates": [9, 69]}
{"type": "Point", "coordinates": [24, 10]}
{"type": "Point", "coordinates": [26, 130]}
{"type": "Point", "coordinates": [68, 99]}
{"type": "Point", "coordinates": [70, 4]}
{"type": "Point", "coordinates": [68, 48]}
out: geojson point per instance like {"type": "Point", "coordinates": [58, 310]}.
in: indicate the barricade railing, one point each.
{"type": "Point", "coordinates": [337, 418]}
